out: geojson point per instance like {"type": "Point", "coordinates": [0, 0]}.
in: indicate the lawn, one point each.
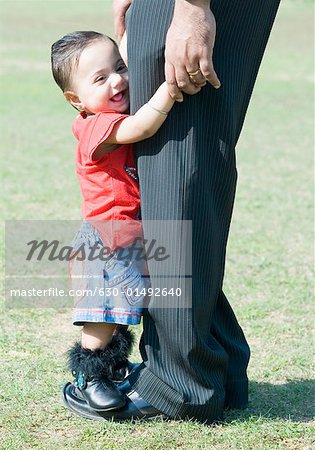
{"type": "Point", "coordinates": [269, 272]}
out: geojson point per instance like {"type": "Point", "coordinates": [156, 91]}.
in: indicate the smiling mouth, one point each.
{"type": "Point", "coordinates": [119, 96]}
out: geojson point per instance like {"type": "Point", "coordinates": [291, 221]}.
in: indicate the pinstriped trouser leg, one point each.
{"type": "Point", "coordinates": [196, 358]}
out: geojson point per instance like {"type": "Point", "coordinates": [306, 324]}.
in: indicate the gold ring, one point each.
{"type": "Point", "coordinates": [193, 74]}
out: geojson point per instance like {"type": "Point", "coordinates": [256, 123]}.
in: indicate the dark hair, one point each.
{"type": "Point", "coordinates": [65, 54]}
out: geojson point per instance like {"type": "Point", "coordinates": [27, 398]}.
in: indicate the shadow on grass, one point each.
{"type": "Point", "coordinates": [293, 400]}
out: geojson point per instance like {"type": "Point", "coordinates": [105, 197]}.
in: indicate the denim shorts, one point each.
{"type": "Point", "coordinates": [107, 289]}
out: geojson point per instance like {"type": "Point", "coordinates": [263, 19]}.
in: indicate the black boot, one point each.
{"type": "Point", "coordinates": [95, 370]}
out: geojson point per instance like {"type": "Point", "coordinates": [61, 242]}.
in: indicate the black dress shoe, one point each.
{"type": "Point", "coordinates": [120, 375]}
{"type": "Point", "coordinates": [134, 366]}
{"type": "Point", "coordinates": [135, 408]}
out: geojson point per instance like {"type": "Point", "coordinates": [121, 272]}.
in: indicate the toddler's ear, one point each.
{"type": "Point", "coordinates": [72, 98]}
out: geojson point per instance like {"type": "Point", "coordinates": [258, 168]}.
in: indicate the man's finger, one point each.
{"type": "Point", "coordinates": [195, 75]}
{"type": "Point", "coordinates": [170, 78]}
{"type": "Point", "coordinates": [183, 81]}
{"type": "Point", "coordinates": [209, 73]}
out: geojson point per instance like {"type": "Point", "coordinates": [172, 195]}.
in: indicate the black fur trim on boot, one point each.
{"type": "Point", "coordinates": [122, 367]}
{"type": "Point", "coordinates": [102, 363]}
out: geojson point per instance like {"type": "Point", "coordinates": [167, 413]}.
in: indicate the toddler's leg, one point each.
{"type": "Point", "coordinates": [97, 335]}
{"type": "Point", "coordinates": [103, 351]}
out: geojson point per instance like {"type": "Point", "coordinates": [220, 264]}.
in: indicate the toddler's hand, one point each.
{"type": "Point", "coordinates": [120, 8]}
{"type": "Point", "coordinates": [123, 48]}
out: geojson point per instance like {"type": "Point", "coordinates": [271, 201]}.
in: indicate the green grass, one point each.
{"type": "Point", "coordinates": [269, 269]}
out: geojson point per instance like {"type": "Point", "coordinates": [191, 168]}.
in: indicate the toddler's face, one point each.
{"type": "Point", "coordinates": [100, 81]}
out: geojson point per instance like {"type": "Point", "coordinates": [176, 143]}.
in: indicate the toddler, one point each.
{"type": "Point", "coordinates": [89, 69]}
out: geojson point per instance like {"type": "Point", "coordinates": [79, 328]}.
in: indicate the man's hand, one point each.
{"type": "Point", "coordinates": [120, 8]}
{"type": "Point", "coordinates": [188, 48]}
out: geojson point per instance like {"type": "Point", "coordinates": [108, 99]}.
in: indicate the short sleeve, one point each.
{"type": "Point", "coordinates": [94, 130]}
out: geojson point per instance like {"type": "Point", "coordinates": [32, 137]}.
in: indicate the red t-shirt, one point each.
{"type": "Point", "coordinates": [109, 185]}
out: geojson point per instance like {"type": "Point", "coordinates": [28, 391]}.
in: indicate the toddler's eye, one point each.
{"type": "Point", "coordinates": [121, 68]}
{"type": "Point", "coordinates": [100, 78]}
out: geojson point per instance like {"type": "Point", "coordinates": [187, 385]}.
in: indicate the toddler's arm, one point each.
{"type": "Point", "coordinates": [146, 121]}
